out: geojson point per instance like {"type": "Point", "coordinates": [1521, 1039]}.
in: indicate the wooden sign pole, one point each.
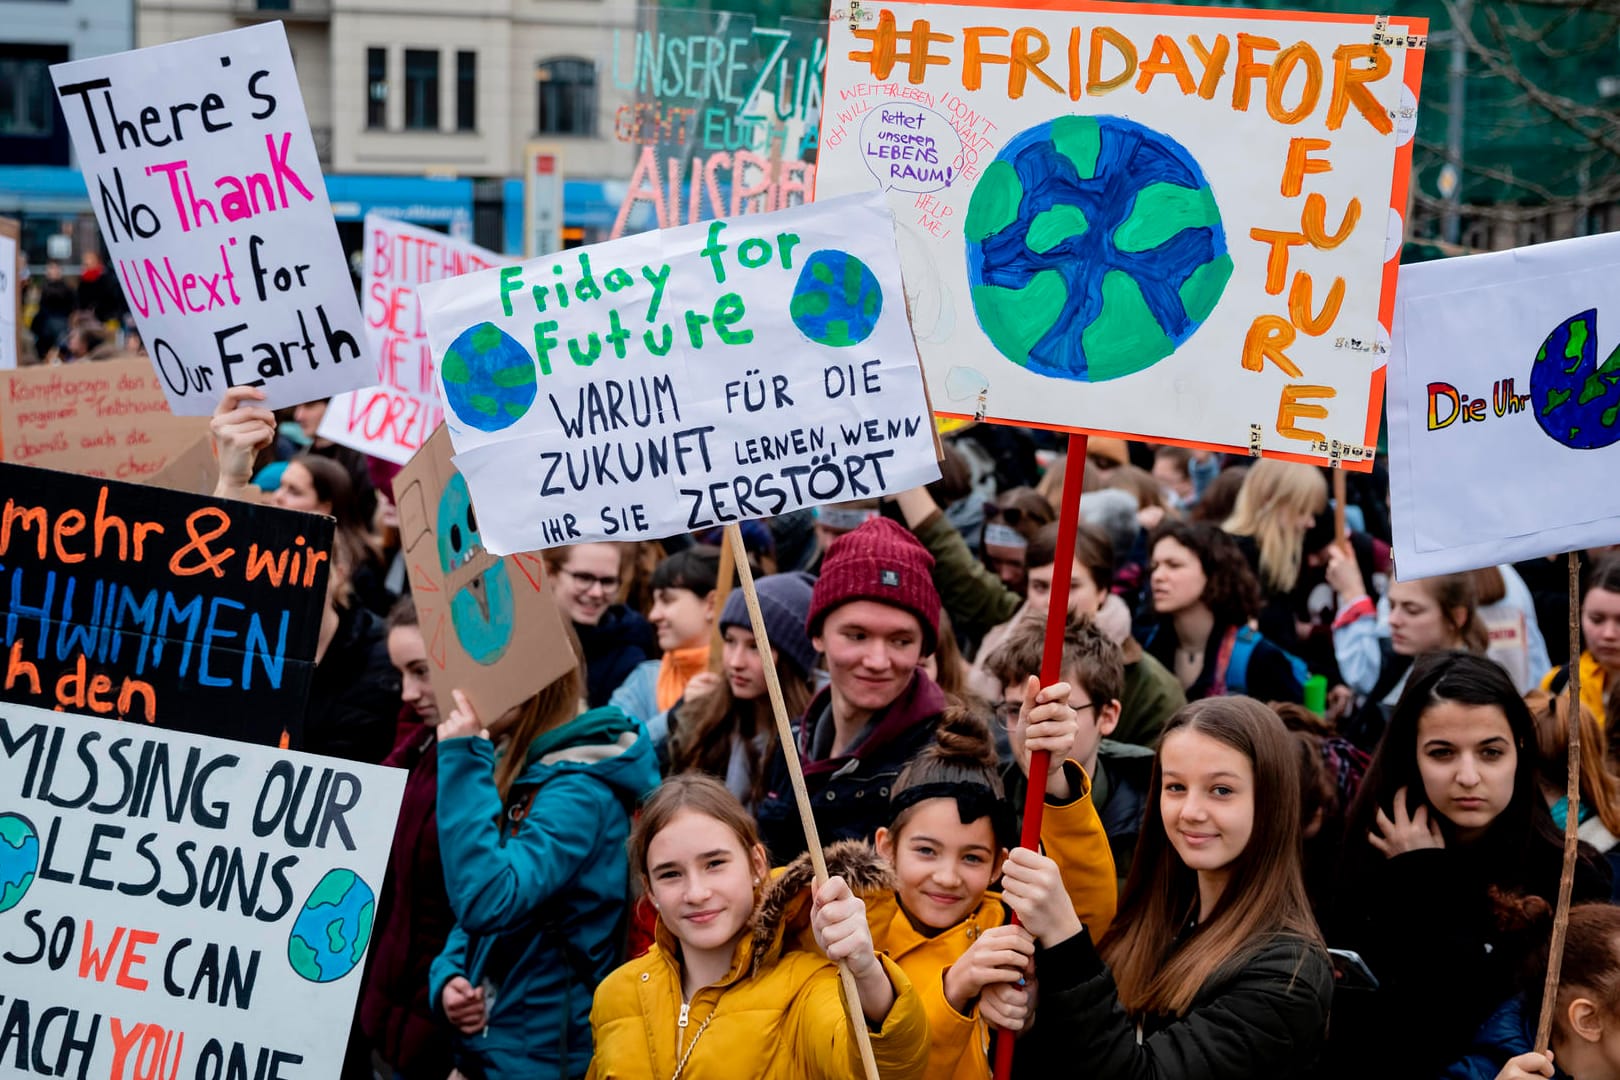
{"type": "Point", "coordinates": [722, 589]}
{"type": "Point", "coordinates": [1572, 820]}
{"type": "Point", "coordinates": [784, 734]}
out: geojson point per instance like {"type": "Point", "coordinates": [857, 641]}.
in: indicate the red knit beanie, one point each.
{"type": "Point", "coordinates": [883, 562]}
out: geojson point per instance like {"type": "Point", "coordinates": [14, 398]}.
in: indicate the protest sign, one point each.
{"type": "Point", "coordinates": [491, 625]}
{"type": "Point", "coordinates": [173, 905]}
{"type": "Point", "coordinates": [392, 419]}
{"type": "Point", "coordinates": [10, 292]}
{"type": "Point", "coordinates": [105, 419]}
{"type": "Point", "coordinates": [1168, 223]}
{"type": "Point", "coordinates": [724, 113]}
{"type": "Point", "coordinates": [194, 469]}
{"type": "Point", "coordinates": [1504, 406]}
{"type": "Point", "coordinates": [677, 380]}
{"type": "Point", "coordinates": [191, 613]}
{"type": "Point", "coordinates": [204, 178]}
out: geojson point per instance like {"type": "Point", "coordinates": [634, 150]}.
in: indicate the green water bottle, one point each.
{"type": "Point", "coordinates": [1316, 694]}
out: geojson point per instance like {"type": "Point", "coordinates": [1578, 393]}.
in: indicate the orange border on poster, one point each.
{"type": "Point", "coordinates": [1400, 184]}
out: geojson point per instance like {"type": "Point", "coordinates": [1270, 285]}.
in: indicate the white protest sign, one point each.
{"type": "Point", "coordinates": [1158, 221]}
{"type": "Point", "coordinates": [175, 905]}
{"type": "Point", "coordinates": [204, 178]}
{"type": "Point", "coordinates": [392, 419]}
{"type": "Point", "coordinates": [1504, 406]}
{"type": "Point", "coordinates": [675, 380]}
{"type": "Point", "coordinates": [8, 294]}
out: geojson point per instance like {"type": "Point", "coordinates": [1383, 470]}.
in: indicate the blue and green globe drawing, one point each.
{"type": "Point", "coordinates": [488, 378]}
{"type": "Point", "coordinates": [482, 610]}
{"type": "Point", "coordinates": [333, 928]}
{"type": "Point", "coordinates": [1094, 248]}
{"type": "Point", "coordinates": [19, 859]}
{"type": "Point", "coordinates": [1576, 399]}
{"type": "Point", "coordinates": [837, 299]}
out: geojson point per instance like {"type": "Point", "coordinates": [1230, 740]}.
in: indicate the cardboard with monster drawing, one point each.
{"type": "Point", "coordinates": [490, 624]}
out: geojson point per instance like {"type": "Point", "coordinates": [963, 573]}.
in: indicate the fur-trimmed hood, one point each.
{"type": "Point", "coordinates": [784, 909]}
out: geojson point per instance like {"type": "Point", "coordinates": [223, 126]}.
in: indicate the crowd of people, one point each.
{"type": "Point", "coordinates": [1302, 814]}
{"type": "Point", "coordinates": [73, 319]}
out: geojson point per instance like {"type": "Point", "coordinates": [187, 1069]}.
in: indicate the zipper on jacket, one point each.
{"type": "Point", "coordinates": [680, 1032]}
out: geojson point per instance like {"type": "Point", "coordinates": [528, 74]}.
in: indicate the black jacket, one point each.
{"type": "Point", "coordinates": [619, 641]}
{"type": "Point", "coordinates": [1262, 1016]}
{"type": "Point", "coordinates": [354, 696]}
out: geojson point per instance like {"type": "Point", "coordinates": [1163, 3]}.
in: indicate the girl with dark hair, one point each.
{"type": "Point", "coordinates": [1600, 629]}
{"type": "Point", "coordinates": [682, 614]}
{"type": "Point", "coordinates": [1214, 967]}
{"type": "Point", "coordinates": [532, 831]}
{"type": "Point", "coordinates": [1449, 815]}
{"type": "Point", "coordinates": [1204, 596]}
{"type": "Point", "coordinates": [323, 486]}
{"type": "Point", "coordinates": [947, 842]}
{"type": "Point", "coordinates": [731, 986]}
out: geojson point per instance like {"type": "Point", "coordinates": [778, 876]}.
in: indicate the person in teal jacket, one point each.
{"type": "Point", "coordinates": [534, 812]}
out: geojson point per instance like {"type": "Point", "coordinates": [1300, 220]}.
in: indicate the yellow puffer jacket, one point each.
{"type": "Point", "coordinates": [1073, 837]}
{"type": "Point", "coordinates": [1594, 690]}
{"type": "Point", "coordinates": [778, 1014]}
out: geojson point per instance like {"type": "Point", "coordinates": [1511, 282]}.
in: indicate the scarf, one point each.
{"type": "Point", "coordinates": [676, 670]}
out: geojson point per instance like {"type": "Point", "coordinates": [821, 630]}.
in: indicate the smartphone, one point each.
{"type": "Point", "coordinates": [1350, 971]}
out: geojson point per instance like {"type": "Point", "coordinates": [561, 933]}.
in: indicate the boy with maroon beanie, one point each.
{"type": "Point", "coordinates": [874, 615]}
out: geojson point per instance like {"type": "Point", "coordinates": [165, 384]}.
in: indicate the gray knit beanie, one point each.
{"type": "Point", "coordinates": [784, 601]}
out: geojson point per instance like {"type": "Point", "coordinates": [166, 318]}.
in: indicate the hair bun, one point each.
{"type": "Point", "coordinates": [963, 735]}
{"type": "Point", "coordinates": [1516, 914]}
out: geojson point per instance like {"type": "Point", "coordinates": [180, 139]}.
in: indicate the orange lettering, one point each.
{"type": "Point", "coordinates": [1299, 305]}
{"type": "Point", "coordinates": [1277, 260]}
{"type": "Point", "coordinates": [1096, 84]}
{"type": "Point", "coordinates": [32, 518]}
{"type": "Point", "coordinates": [1214, 61]}
{"type": "Point", "coordinates": [142, 528]}
{"type": "Point", "coordinates": [105, 521]}
{"type": "Point", "coordinates": [1349, 86]}
{"type": "Point", "coordinates": [973, 57]}
{"type": "Point", "coordinates": [1250, 69]}
{"type": "Point", "coordinates": [1301, 164]}
{"type": "Point", "coordinates": [132, 958]}
{"type": "Point", "coordinates": [1313, 222]}
{"type": "Point", "coordinates": [98, 685]}
{"type": "Point", "coordinates": [1291, 410]}
{"type": "Point", "coordinates": [126, 697]}
{"type": "Point", "coordinates": [1025, 62]}
{"type": "Point", "coordinates": [1281, 70]}
{"type": "Point", "coordinates": [1268, 336]}
{"type": "Point", "coordinates": [68, 523]}
{"type": "Point", "coordinates": [17, 667]}
{"type": "Point", "coordinates": [1165, 58]}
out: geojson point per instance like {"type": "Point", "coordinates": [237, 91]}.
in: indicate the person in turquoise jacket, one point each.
{"type": "Point", "coordinates": [534, 811]}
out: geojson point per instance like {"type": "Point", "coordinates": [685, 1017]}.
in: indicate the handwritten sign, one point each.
{"type": "Point", "coordinates": [491, 625]}
{"type": "Point", "coordinates": [105, 419]}
{"type": "Point", "coordinates": [173, 905]}
{"type": "Point", "coordinates": [1504, 406]}
{"type": "Point", "coordinates": [127, 601]}
{"type": "Point", "coordinates": [394, 418]}
{"type": "Point", "coordinates": [724, 112]}
{"type": "Point", "coordinates": [1167, 223]}
{"type": "Point", "coordinates": [205, 181]}
{"type": "Point", "coordinates": [676, 380]}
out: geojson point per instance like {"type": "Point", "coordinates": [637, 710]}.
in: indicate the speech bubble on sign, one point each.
{"type": "Point", "coordinates": [910, 148]}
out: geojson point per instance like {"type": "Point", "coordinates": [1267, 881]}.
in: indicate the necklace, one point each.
{"type": "Point", "coordinates": [680, 1066]}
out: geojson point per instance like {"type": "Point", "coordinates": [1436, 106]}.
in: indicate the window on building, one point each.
{"type": "Point", "coordinates": [422, 89]}
{"type": "Point", "coordinates": [26, 97]}
{"type": "Point", "coordinates": [466, 91]}
{"type": "Point", "coordinates": [567, 96]}
{"type": "Point", "coordinates": [376, 89]}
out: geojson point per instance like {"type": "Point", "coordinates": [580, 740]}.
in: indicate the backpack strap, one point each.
{"type": "Point", "coordinates": [1560, 680]}
{"type": "Point", "coordinates": [1232, 661]}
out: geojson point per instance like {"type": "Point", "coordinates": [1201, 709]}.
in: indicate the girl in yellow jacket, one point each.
{"type": "Point", "coordinates": [947, 842]}
{"type": "Point", "coordinates": [730, 988]}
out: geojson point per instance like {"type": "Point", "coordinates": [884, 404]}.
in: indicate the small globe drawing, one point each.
{"type": "Point", "coordinates": [488, 378]}
{"type": "Point", "coordinates": [483, 610]}
{"type": "Point", "coordinates": [1576, 399]}
{"type": "Point", "coordinates": [837, 300]}
{"type": "Point", "coordinates": [19, 859]}
{"type": "Point", "coordinates": [333, 928]}
{"type": "Point", "coordinates": [1094, 247]}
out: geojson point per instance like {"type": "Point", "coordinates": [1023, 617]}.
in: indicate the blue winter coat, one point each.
{"type": "Point", "coordinates": [1509, 1032]}
{"type": "Point", "coordinates": [538, 888]}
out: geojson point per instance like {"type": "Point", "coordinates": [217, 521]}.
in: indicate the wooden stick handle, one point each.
{"type": "Point", "coordinates": [1057, 624]}
{"type": "Point", "coordinates": [1340, 501]}
{"type": "Point", "coordinates": [1572, 819]}
{"type": "Point", "coordinates": [784, 734]}
{"type": "Point", "coordinates": [722, 588]}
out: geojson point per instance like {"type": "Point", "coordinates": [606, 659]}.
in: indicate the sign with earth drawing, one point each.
{"type": "Point", "coordinates": [674, 380]}
{"type": "Point", "coordinates": [1504, 385]}
{"type": "Point", "coordinates": [175, 905]}
{"type": "Point", "coordinates": [1168, 223]}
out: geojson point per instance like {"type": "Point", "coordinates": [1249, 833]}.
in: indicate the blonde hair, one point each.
{"type": "Point", "coordinates": [1274, 495]}
{"type": "Point", "coordinates": [556, 704]}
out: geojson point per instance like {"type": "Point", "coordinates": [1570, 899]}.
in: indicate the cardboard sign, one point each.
{"type": "Point", "coordinates": [491, 625]}
{"type": "Point", "coordinates": [205, 181]}
{"type": "Point", "coordinates": [10, 293]}
{"type": "Point", "coordinates": [1168, 223]}
{"type": "Point", "coordinates": [673, 381]}
{"type": "Point", "coordinates": [173, 905]}
{"type": "Point", "coordinates": [106, 419]}
{"type": "Point", "coordinates": [194, 469]}
{"type": "Point", "coordinates": [735, 136]}
{"type": "Point", "coordinates": [392, 419]}
{"type": "Point", "coordinates": [1504, 406]}
{"type": "Point", "coordinates": [128, 601]}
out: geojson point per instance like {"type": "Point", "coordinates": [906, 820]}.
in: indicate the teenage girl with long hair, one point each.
{"type": "Point", "coordinates": [1214, 967]}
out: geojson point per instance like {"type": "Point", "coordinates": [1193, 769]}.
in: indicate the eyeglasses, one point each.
{"type": "Point", "coordinates": [587, 582]}
{"type": "Point", "coordinates": [1007, 711]}
{"type": "Point", "coordinates": [1010, 515]}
